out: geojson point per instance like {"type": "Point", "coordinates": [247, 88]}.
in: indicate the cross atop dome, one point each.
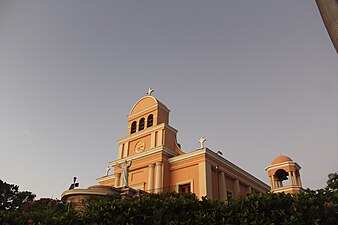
{"type": "Point", "coordinates": [150, 91]}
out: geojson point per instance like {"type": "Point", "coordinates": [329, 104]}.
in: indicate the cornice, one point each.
{"type": "Point", "coordinates": [239, 170]}
{"type": "Point", "coordinates": [158, 104]}
{"type": "Point", "coordinates": [144, 154]}
{"type": "Point", "coordinates": [86, 192]}
{"type": "Point", "coordinates": [289, 163]}
{"type": "Point", "coordinates": [142, 111]}
{"type": "Point", "coordinates": [187, 155]}
{"type": "Point", "coordinates": [105, 178]}
{"type": "Point", "coordinates": [146, 131]}
{"type": "Point", "coordinates": [287, 188]}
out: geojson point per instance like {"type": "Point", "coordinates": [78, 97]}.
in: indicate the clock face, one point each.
{"type": "Point", "coordinates": [140, 146]}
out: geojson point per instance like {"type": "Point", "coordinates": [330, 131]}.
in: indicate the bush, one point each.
{"type": "Point", "coordinates": [42, 211]}
{"type": "Point", "coordinates": [310, 207]}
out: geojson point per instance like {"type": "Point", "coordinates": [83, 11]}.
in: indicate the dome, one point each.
{"type": "Point", "coordinates": [146, 102]}
{"type": "Point", "coordinates": [281, 159]}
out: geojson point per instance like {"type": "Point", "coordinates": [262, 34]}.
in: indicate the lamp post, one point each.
{"type": "Point", "coordinates": [74, 184]}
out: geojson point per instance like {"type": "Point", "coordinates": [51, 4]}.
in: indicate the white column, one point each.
{"type": "Point", "coordinates": [159, 138]}
{"type": "Point", "coordinates": [295, 180]}
{"type": "Point", "coordinates": [117, 180]}
{"type": "Point", "coordinates": [290, 178]}
{"type": "Point", "coordinates": [272, 182]}
{"type": "Point", "coordinates": [205, 181]}
{"type": "Point", "coordinates": [158, 184]}
{"type": "Point", "coordinates": [153, 140]}
{"type": "Point", "coordinates": [249, 190]}
{"type": "Point", "coordinates": [237, 189]}
{"type": "Point", "coordinates": [299, 181]}
{"type": "Point", "coordinates": [202, 177]}
{"type": "Point", "coordinates": [222, 187]}
{"type": "Point", "coordinates": [120, 154]}
{"type": "Point", "coordinates": [125, 150]}
{"type": "Point", "coordinates": [151, 178]}
{"type": "Point", "coordinates": [209, 180]}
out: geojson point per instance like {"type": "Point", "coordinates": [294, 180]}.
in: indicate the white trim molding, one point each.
{"type": "Point", "coordinates": [147, 131]}
{"type": "Point", "coordinates": [288, 163]}
{"type": "Point", "coordinates": [144, 154]}
{"type": "Point", "coordinates": [105, 178]}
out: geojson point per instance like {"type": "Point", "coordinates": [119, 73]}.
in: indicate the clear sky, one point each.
{"type": "Point", "coordinates": [256, 78]}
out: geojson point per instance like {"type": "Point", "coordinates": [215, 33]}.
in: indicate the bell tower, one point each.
{"type": "Point", "coordinates": [144, 153]}
{"type": "Point", "coordinates": [284, 176]}
{"type": "Point", "coordinates": [148, 127]}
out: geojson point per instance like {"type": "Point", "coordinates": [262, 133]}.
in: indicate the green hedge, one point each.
{"type": "Point", "coordinates": [311, 207]}
{"type": "Point", "coordinates": [42, 211]}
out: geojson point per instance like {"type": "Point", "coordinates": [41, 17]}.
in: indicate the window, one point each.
{"type": "Point", "coordinates": [141, 124]}
{"type": "Point", "coordinates": [184, 188]}
{"type": "Point", "coordinates": [150, 120]}
{"type": "Point", "coordinates": [133, 127]}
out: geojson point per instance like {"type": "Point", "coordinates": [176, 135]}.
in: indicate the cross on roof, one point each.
{"type": "Point", "coordinates": [150, 91]}
{"type": "Point", "coordinates": [201, 141]}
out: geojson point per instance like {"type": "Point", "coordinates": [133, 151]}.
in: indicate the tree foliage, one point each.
{"type": "Point", "coordinates": [332, 182]}
{"type": "Point", "coordinates": [310, 207]}
{"type": "Point", "coordinates": [11, 197]}
{"type": "Point", "coordinates": [166, 208]}
{"type": "Point", "coordinates": [43, 211]}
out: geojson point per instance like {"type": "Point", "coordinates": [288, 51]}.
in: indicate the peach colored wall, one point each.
{"type": "Point", "coordinates": [138, 176]}
{"type": "Point", "coordinates": [230, 184]}
{"type": "Point", "coordinates": [215, 181]}
{"type": "Point", "coordinates": [170, 139]}
{"type": "Point", "coordinates": [146, 139]}
{"type": "Point", "coordinates": [233, 174]}
{"type": "Point", "coordinates": [162, 116]}
{"type": "Point", "coordinates": [138, 171]}
{"type": "Point", "coordinates": [243, 189]}
{"type": "Point", "coordinates": [139, 163]}
{"type": "Point", "coordinates": [145, 116]}
{"type": "Point", "coordinates": [166, 172]}
{"type": "Point", "coordinates": [184, 174]}
{"type": "Point", "coordinates": [143, 104]}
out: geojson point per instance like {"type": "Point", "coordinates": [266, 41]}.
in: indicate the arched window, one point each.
{"type": "Point", "coordinates": [141, 124]}
{"type": "Point", "coordinates": [150, 120]}
{"type": "Point", "coordinates": [133, 127]}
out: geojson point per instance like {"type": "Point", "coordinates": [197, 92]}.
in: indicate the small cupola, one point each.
{"type": "Point", "coordinates": [284, 175]}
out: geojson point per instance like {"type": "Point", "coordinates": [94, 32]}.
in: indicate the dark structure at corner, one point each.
{"type": "Point", "coordinates": [329, 11]}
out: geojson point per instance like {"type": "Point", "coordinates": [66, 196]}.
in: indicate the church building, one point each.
{"type": "Point", "coordinates": [150, 159]}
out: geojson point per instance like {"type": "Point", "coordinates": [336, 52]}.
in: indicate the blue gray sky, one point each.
{"type": "Point", "coordinates": [256, 78]}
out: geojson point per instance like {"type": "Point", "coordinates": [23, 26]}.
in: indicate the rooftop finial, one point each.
{"type": "Point", "coordinates": [150, 91]}
{"type": "Point", "coordinates": [201, 141]}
